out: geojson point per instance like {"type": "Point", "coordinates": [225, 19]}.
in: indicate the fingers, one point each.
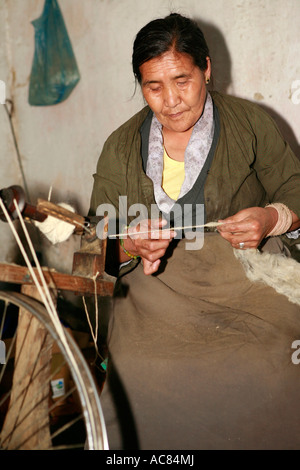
{"type": "Point", "coordinates": [151, 249]}
{"type": "Point", "coordinates": [151, 229]}
{"type": "Point", "coordinates": [248, 238]}
{"type": "Point", "coordinates": [244, 245]}
{"type": "Point", "coordinates": [150, 241]}
{"type": "Point", "coordinates": [150, 268]}
{"type": "Point", "coordinates": [247, 225]}
{"type": "Point", "coordinates": [246, 229]}
{"type": "Point", "coordinates": [151, 252]}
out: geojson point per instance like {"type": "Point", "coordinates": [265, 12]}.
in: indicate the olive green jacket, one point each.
{"type": "Point", "coordinates": [252, 164]}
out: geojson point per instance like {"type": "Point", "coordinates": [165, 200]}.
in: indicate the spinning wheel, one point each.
{"type": "Point", "coordinates": [44, 371]}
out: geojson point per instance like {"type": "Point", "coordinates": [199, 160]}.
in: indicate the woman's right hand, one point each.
{"type": "Point", "coordinates": [149, 241]}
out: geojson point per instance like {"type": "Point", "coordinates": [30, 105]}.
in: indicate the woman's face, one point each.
{"type": "Point", "coordinates": [175, 89]}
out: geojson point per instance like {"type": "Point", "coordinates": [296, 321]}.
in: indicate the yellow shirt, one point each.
{"type": "Point", "coordinates": [173, 176]}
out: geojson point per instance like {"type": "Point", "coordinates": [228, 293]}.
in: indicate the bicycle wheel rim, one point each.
{"type": "Point", "coordinates": [96, 436]}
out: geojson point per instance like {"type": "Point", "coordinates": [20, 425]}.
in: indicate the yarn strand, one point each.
{"type": "Point", "coordinates": [187, 227]}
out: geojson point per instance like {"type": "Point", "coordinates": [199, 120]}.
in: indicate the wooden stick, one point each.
{"type": "Point", "coordinates": [79, 284]}
{"type": "Point", "coordinates": [54, 210]}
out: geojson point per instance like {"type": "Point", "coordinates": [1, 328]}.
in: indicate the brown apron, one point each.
{"type": "Point", "coordinates": [201, 358]}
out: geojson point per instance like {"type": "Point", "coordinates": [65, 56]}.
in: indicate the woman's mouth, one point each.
{"type": "Point", "coordinates": [175, 115]}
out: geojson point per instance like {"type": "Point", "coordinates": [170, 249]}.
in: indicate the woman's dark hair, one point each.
{"type": "Point", "coordinates": [172, 32]}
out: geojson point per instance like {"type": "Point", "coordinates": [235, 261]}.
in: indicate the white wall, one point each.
{"type": "Point", "coordinates": [255, 51]}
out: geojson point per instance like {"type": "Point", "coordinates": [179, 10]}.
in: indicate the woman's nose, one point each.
{"type": "Point", "coordinates": [171, 97]}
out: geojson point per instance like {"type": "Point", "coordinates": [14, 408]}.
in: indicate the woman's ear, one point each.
{"type": "Point", "coordinates": [207, 72]}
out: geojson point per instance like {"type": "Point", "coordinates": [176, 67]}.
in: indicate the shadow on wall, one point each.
{"type": "Point", "coordinates": [220, 57]}
{"type": "Point", "coordinates": [221, 78]}
{"type": "Point", "coordinates": [285, 129]}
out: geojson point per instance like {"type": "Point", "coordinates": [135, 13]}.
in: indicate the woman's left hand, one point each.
{"type": "Point", "coordinates": [248, 227]}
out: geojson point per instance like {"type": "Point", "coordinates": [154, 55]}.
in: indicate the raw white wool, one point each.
{"type": "Point", "coordinates": [56, 230]}
{"type": "Point", "coordinates": [275, 270]}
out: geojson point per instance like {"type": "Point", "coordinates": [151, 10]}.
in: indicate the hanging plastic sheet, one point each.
{"type": "Point", "coordinates": [54, 71]}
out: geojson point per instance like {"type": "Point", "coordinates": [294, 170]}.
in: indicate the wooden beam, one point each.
{"type": "Point", "coordinates": [16, 274]}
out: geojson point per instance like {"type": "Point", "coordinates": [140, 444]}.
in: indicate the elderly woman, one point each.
{"type": "Point", "coordinates": [199, 355]}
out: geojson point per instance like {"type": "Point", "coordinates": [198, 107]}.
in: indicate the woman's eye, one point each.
{"type": "Point", "coordinates": [155, 89]}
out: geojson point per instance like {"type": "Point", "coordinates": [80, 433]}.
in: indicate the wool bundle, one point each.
{"type": "Point", "coordinates": [276, 270]}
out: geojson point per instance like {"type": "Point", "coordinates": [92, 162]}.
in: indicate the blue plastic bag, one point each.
{"type": "Point", "coordinates": [54, 72]}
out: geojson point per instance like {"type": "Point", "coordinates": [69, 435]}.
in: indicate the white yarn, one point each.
{"type": "Point", "coordinates": [275, 270]}
{"type": "Point", "coordinates": [56, 230]}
